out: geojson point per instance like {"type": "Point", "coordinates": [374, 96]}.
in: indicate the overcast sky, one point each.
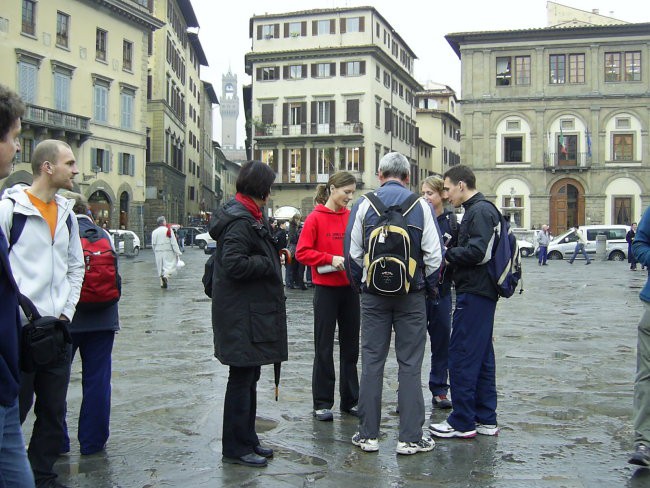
{"type": "Point", "coordinates": [422, 25]}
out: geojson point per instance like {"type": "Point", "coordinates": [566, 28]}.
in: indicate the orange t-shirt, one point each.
{"type": "Point", "coordinates": [49, 211]}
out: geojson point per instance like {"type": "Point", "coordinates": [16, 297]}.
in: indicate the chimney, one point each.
{"type": "Point", "coordinates": [595, 11]}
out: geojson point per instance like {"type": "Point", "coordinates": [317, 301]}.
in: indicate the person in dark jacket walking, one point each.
{"type": "Point", "coordinates": [93, 333]}
{"type": "Point", "coordinates": [248, 309]}
{"type": "Point", "coordinates": [629, 237]}
{"type": "Point", "coordinates": [15, 470]}
{"type": "Point", "coordinates": [297, 269]}
{"type": "Point", "coordinates": [471, 354]}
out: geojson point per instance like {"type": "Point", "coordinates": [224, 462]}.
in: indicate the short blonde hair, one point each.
{"type": "Point", "coordinates": [435, 183]}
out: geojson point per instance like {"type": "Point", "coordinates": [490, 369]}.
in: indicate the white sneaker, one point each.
{"type": "Point", "coordinates": [487, 429]}
{"type": "Point", "coordinates": [425, 444]}
{"type": "Point", "coordinates": [443, 429]}
{"type": "Point", "coordinates": [367, 445]}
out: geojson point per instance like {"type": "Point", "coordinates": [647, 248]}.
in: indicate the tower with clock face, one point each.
{"type": "Point", "coordinates": [229, 109]}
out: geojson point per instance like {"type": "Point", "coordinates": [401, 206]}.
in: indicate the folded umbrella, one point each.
{"type": "Point", "coordinates": [276, 375]}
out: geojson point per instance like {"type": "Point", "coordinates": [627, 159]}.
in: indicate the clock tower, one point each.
{"type": "Point", "coordinates": [229, 109]}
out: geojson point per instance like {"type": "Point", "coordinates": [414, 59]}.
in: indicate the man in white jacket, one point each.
{"type": "Point", "coordinates": [47, 263]}
{"type": "Point", "coordinates": [166, 250]}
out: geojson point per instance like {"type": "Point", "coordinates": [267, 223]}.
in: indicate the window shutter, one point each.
{"type": "Point", "coordinates": [343, 67]}
{"type": "Point", "coordinates": [108, 161]}
{"type": "Point", "coordinates": [332, 26]}
{"type": "Point", "coordinates": [303, 118]}
{"type": "Point", "coordinates": [303, 71]}
{"type": "Point", "coordinates": [362, 24]}
{"type": "Point", "coordinates": [274, 163]}
{"type": "Point", "coordinates": [276, 31]}
{"type": "Point", "coordinates": [303, 28]}
{"type": "Point", "coordinates": [312, 165]}
{"type": "Point", "coordinates": [388, 117]}
{"type": "Point", "coordinates": [314, 120]}
{"type": "Point", "coordinates": [258, 74]}
{"type": "Point", "coordinates": [285, 72]}
{"type": "Point", "coordinates": [132, 163]}
{"type": "Point", "coordinates": [332, 69]}
{"type": "Point", "coordinates": [314, 70]}
{"type": "Point", "coordinates": [93, 159]}
{"type": "Point", "coordinates": [286, 29]}
{"type": "Point", "coordinates": [276, 71]}
{"type": "Point", "coordinates": [362, 152]}
{"type": "Point", "coordinates": [120, 158]}
{"type": "Point", "coordinates": [267, 113]}
{"type": "Point", "coordinates": [342, 29]}
{"type": "Point", "coordinates": [285, 165]}
{"type": "Point", "coordinates": [362, 67]}
{"type": "Point", "coordinates": [314, 27]}
{"type": "Point", "coordinates": [285, 119]}
{"type": "Point", "coordinates": [352, 110]}
{"type": "Point", "coordinates": [303, 164]}
{"type": "Point", "coordinates": [332, 117]}
{"type": "Point", "coordinates": [257, 154]}
{"type": "Point", "coordinates": [259, 31]}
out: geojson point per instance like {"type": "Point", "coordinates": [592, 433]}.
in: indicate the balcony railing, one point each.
{"type": "Point", "coordinates": [56, 119]}
{"type": "Point", "coordinates": [561, 161]}
{"type": "Point", "coordinates": [340, 129]}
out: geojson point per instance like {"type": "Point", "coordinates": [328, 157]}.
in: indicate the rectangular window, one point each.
{"type": "Point", "coordinates": [352, 110]}
{"type": "Point", "coordinates": [324, 27]}
{"type": "Point", "coordinates": [557, 69]}
{"type": "Point", "coordinates": [126, 164]}
{"type": "Point", "coordinates": [62, 91]}
{"type": "Point", "coordinates": [513, 149]}
{"type": "Point", "coordinates": [295, 114]}
{"type": "Point", "coordinates": [267, 113]}
{"type": "Point", "coordinates": [576, 68]}
{"type": "Point", "coordinates": [27, 78]}
{"type": "Point", "coordinates": [350, 158]}
{"type": "Point", "coordinates": [633, 66]}
{"type": "Point", "coordinates": [378, 113]}
{"type": "Point", "coordinates": [295, 165]}
{"type": "Point", "coordinates": [324, 164]}
{"type": "Point", "coordinates": [29, 17]}
{"type": "Point", "coordinates": [268, 31]}
{"type": "Point", "coordinates": [295, 72]}
{"type": "Point", "coordinates": [352, 24]}
{"type": "Point", "coordinates": [504, 73]}
{"type": "Point", "coordinates": [511, 125]}
{"type": "Point", "coordinates": [323, 116]}
{"type": "Point", "coordinates": [623, 147]}
{"type": "Point", "coordinates": [612, 67]}
{"type": "Point", "coordinates": [622, 210]}
{"type": "Point", "coordinates": [522, 70]}
{"type": "Point", "coordinates": [127, 55]}
{"type": "Point", "coordinates": [295, 29]}
{"type": "Point", "coordinates": [127, 102]}
{"type": "Point", "coordinates": [270, 73]}
{"type": "Point", "coordinates": [623, 123]}
{"type": "Point", "coordinates": [100, 160]}
{"type": "Point", "coordinates": [100, 44]}
{"type": "Point", "coordinates": [26, 149]}
{"type": "Point", "coordinates": [353, 68]}
{"type": "Point", "coordinates": [268, 156]}
{"type": "Point", "coordinates": [100, 109]}
{"type": "Point", "coordinates": [62, 29]}
{"type": "Point", "coordinates": [323, 70]}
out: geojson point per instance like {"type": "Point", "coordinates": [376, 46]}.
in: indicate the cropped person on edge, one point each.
{"type": "Point", "coordinates": [93, 333]}
{"type": "Point", "coordinates": [472, 369]}
{"type": "Point", "coordinates": [166, 251]}
{"type": "Point", "coordinates": [543, 239]}
{"type": "Point", "coordinates": [248, 309]}
{"type": "Point", "coordinates": [381, 314]}
{"type": "Point", "coordinates": [641, 412]}
{"type": "Point", "coordinates": [14, 466]}
{"type": "Point", "coordinates": [321, 246]}
{"type": "Point", "coordinates": [439, 307]}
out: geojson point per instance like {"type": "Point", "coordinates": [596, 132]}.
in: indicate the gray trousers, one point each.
{"type": "Point", "coordinates": [379, 316]}
{"type": "Point", "coordinates": [641, 414]}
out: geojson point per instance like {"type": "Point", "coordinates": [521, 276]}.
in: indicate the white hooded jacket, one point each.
{"type": "Point", "coordinates": [48, 271]}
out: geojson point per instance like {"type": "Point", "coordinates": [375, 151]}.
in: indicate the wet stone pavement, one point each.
{"type": "Point", "coordinates": [566, 354]}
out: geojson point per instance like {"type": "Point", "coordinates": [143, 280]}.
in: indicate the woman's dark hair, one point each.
{"type": "Point", "coordinates": [255, 179]}
{"type": "Point", "coordinates": [11, 108]}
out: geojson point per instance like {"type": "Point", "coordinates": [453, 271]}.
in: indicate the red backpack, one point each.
{"type": "Point", "coordinates": [102, 284]}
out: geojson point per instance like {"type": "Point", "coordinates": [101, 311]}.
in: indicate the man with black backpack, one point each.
{"type": "Point", "coordinates": [471, 354]}
{"type": "Point", "coordinates": [393, 253]}
{"type": "Point", "coordinates": [93, 329]}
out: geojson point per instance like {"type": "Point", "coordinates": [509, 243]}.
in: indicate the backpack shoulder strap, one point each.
{"type": "Point", "coordinates": [17, 225]}
{"type": "Point", "coordinates": [376, 204]}
{"type": "Point", "coordinates": [410, 202]}
{"type": "Point", "coordinates": [453, 221]}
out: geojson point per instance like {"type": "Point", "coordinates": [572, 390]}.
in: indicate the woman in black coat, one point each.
{"type": "Point", "coordinates": [248, 309]}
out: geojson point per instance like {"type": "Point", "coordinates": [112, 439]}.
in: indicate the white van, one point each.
{"type": "Point", "coordinates": [563, 245]}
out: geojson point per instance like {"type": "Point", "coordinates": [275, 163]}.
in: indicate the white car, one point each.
{"type": "Point", "coordinates": [120, 233]}
{"type": "Point", "coordinates": [526, 248]}
{"type": "Point", "coordinates": [203, 240]}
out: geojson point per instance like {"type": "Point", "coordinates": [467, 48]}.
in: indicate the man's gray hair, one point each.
{"type": "Point", "coordinates": [161, 220]}
{"type": "Point", "coordinates": [394, 165]}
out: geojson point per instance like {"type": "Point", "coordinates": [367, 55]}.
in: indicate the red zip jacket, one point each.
{"type": "Point", "coordinates": [320, 240]}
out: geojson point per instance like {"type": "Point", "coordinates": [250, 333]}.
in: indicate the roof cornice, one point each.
{"type": "Point", "coordinates": [131, 12]}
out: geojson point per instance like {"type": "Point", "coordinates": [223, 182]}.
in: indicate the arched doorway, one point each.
{"type": "Point", "coordinates": [567, 206]}
{"type": "Point", "coordinates": [100, 206]}
{"type": "Point", "coordinates": [124, 210]}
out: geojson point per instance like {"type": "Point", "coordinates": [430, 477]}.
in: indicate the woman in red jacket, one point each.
{"type": "Point", "coordinates": [321, 247]}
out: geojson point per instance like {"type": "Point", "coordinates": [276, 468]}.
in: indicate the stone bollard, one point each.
{"type": "Point", "coordinates": [601, 247]}
{"type": "Point", "coordinates": [128, 244]}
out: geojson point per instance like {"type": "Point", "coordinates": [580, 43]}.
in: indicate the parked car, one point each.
{"type": "Point", "coordinates": [526, 248]}
{"type": "Point", "coordinates": [210, 248]}
{"type": "Point", "coordinates": [616, 245]}
{"type": "Point", "coordinates": [203, 240]}
{"type": "Point", "coordinates": [190, 234]}
{"type": "Point", "coordinates": [120, 233]}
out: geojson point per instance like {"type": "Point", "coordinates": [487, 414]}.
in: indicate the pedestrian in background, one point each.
{"type": "Point", "coordinates": [629, 237]}
{"type": "Point", "coordinates": [580, 246]}
{"type": "Point", "coordinates": [641, 412]}
{"type": "Point", "coordinates": [297, 269]}
{"type": "Point", "coordinates": [320, 247]}
{"type": "Point", "coordinates": [93, 333]}
{"type": "Point", "coordinates": [166, 251]}
{"type": "Point", "coordinates": [248, 309]}
{"type": "Point", "coordinates": [406, 313]}
{"type": "Point", "coordinates": [439, 305]}
{"type": "Point", "coordinates": [14, 465]}
{"type": "Point", "coordinates": [47, 263]}
{"type": "Point", "coordinates": [472, 369]}
{"type": "Point", "coordinates": [543, 240]}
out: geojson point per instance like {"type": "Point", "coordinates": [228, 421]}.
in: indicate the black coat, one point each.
{"type": "Point", "coordinates": [249, 318]}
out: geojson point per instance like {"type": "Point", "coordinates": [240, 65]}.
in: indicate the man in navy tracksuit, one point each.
{"type": "Point", "coordinates": [471, 354]}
